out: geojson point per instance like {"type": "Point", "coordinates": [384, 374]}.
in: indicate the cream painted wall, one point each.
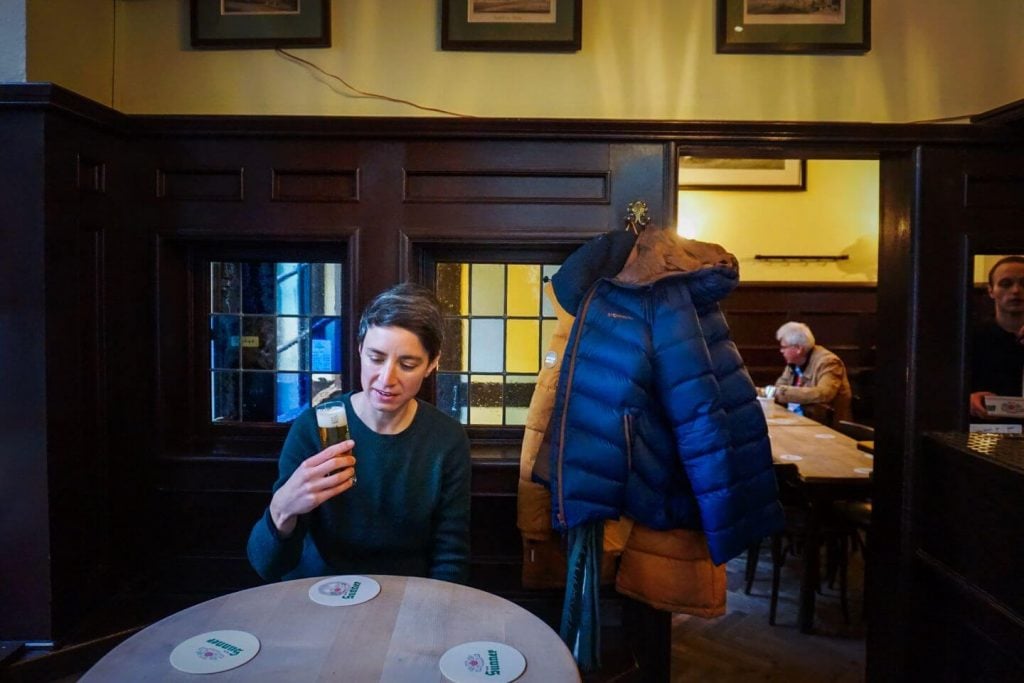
{"type": "Point", "coordinates": [71, 43]}
{"type": "Point", "coordinates": [653, 59]}
{"type": "Point", "coordinates": [836, 215]}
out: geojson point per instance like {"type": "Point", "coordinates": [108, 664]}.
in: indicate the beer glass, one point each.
{"type": "Point", "coordinates": [332, 423]}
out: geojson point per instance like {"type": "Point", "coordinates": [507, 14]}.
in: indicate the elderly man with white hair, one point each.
{"type": "Point", "coordinates": [814, 382]}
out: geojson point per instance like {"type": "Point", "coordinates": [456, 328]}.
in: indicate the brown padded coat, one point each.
{"type": "Point", "coordinates": [668, 570]}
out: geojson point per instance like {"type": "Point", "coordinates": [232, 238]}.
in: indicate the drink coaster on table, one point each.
{"type": "Point", "coordinates": [791, 457]}
{"type": "Point", "coordinates": [482, 661]}
{"type": "Point", "coordinates": [335, 591]}
{"type": "Point", "coordinates": [214, 651]}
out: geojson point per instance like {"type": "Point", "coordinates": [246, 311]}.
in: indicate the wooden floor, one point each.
{"type": "Point", "coordinates": [741, 646]}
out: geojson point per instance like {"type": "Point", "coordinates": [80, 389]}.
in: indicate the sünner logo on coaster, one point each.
{"type": "Point", "coordinates": [335, 591]}
{"type": "Point", "coordinates": [482, 661]}
{"type": "Point", "coordinates": [214, 651]}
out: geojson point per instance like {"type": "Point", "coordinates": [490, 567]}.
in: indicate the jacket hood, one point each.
{"type": "Point", "coordinates": [711, 272]}
{"type": "Point", "coordinates": [602, 256]}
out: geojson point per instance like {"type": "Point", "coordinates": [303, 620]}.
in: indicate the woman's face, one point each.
{"type": "Point", "coordinates": [393, 366]}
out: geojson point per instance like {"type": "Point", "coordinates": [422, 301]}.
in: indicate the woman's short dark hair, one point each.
{"type": "Point", "coordinates": [1005, 259]}
{"type": "Point", "coordinates": [410, 306]}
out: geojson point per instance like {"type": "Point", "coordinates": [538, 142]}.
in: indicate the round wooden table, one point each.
{"type": "Point", "coordinates": [398, 636]}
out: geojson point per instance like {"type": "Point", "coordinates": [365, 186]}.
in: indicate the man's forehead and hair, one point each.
{"type": "Point", "coordinates": [1001, 262]}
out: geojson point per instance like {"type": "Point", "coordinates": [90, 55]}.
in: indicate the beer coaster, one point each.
{"type": "Point", "coordinates": [780, 421]}
{"type": "Point", "coordinates": [791, 457]}
{"type": "Point", "coordinates": [824, 436]}
{"type": "Point", "coordinates": [335, 591]}
{"type": "Point", "coordinates": [214, 651]}
{"type": "Point", "coordinates": [862, 470]}
{"type": "Point", "coordinates": [482, 661]}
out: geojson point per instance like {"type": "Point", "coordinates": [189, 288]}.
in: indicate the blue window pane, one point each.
{"type": "Point", "coordinates": [259, 285]}
{"type": "Point", "coordinates": [325, 288]}
{"type": "Point", "coordinates": [453, 395]}
{"type": "Point", "coordinates": [225, 288]}
{"type": "Point", "coordinates": [292, 344]}
{"type": "Point", "coordinates": [324, 384]}
{"type": "Point", "coordinates": [293, 394]}
{"type": "Point", "coordinates": [225, 334]}
{"type": "Point", "coordinates": [325, 342]}
{"type": "Point", "coordinates": [224, 395]}
{"type": "Point", "coordinates": [259, 342]}
{"type": "Point", "coordinates": [258, 396]}
{"type": "Point", "coordinates": [292, 289]}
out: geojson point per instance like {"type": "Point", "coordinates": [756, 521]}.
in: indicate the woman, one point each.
{"type": "Point", "coordinates": [409, 513]}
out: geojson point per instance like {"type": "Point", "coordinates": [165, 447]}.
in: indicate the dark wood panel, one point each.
{"type": "Point", "coordinates": [842, 318]}
{"type": "Point", "coordinates": [315, 186]}
{"type": "Point", "coordinates": [994, 192]}
{"type": "Point", "coordinates": [490, 186]}
{"type": "Point", "coordinates": [200, 185]}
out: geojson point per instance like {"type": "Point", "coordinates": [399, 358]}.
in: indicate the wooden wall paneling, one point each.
{"type": "Point", "coordinates": [842, 318]}
{"type": "Point", "coordinates": [951, 225]}
{"type": "Point", "coordinates": [25, 591]}
{"type": "Point", "coordinates": [963, 491]}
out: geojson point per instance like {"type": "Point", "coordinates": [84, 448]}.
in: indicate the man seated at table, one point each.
{"type": "Point", "coordinates": [997, 353]}
{"type": "Point", "coordinates": [814, 382]}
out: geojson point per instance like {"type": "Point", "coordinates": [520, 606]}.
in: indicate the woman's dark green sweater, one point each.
{"type": "Point", "coordinates": [408, 515]}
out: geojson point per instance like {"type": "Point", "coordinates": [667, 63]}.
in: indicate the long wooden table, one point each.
{"type": "Point", "coordinates": [398, 636]}
{"type": "Point", "coordinates": [828, 466]}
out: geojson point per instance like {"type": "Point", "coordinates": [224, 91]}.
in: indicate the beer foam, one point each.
{"type": "Point", "coordinates": [331, 416]}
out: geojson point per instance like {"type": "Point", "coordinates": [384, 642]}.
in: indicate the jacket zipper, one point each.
{"type": "Point", "coordinates": [565, 407]}
{"type": "Point", "coordinates": [627, 427]}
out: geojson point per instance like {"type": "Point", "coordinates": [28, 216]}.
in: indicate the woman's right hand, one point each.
{"type": "Point", "coordinates": [318, 478]}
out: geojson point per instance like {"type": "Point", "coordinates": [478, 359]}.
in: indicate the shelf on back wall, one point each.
{"type": "Point", "coordinates": [791, 257]}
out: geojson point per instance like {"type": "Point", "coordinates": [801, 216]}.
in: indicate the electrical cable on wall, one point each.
{"type": "Point", "coordinates": [364, 93]}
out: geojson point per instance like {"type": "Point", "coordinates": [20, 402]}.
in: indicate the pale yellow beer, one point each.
{"type": "Point", "coordinates": [332, 423]}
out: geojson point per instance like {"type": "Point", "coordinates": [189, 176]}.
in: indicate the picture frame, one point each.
{"type": "Point", "coordinates": [503, 26]}
{"type": "Point", "coordinates": [707, 173]}
{"type": "Point", "coordinates": [254, 24]}
{"type": "Point", "coordinates": [793, 26]}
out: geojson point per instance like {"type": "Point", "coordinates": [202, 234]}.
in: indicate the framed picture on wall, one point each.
{"type": "Point", "coordinates": [794, 26]}
{"type": "Point", "coordinates": [249, 24]}
{"type": "Point", "coordinates": [512, 25]}
{"type": "Point", "coordinates": [707, 173]}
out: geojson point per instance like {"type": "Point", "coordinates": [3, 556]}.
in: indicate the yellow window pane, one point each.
{"type": "Point", "coordinates": [547, 330]}
{"type": "Point", "coordinates": [518, 392]}
{"type": "Point", "coordinates": [488, 283]}
{"type": "Point", "coordinates": [486, 398]}
{"type": "Point", "coordinates": [452, 290]}
{"type": "Point", "coordinates": [521, 346]}
{"type": "Point", "coordinates": [523, 290]}
{"type": "Point", "coordinates": [455, 350]}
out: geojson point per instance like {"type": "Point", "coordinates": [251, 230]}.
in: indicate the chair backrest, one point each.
{"type": "Point", "coordinates": [855, 430]}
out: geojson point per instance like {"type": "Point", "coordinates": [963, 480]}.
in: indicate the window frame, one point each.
{"type": "Point", "coordinates": [183, 344]}
{"type": "Point", "coordinates": [429, 254]}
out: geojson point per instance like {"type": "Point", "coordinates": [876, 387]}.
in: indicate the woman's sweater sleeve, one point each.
{"type": "Point", "coordinates": [450, 548]}
{"type": "Point", "coordinates": [270, 554]}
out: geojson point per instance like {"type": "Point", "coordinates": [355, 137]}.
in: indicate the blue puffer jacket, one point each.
{"type": "Point", "coordinates": [655, 415]}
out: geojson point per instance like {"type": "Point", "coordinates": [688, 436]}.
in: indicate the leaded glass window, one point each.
{"type": "Point", "coordinates": [275, 338]}
{"type": "Point", "coordinates": [498, 326]}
